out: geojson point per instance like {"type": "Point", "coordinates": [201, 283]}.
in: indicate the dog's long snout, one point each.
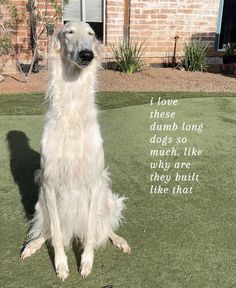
{"type": "Point", "coordinates": [85, 56]}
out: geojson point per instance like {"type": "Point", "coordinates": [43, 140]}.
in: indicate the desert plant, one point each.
{"type": "Point", "coordinates": [230, 53]}
{"type": "Point", "coordinates": [7, 25]}
{"type": "Point", "coordinates": [5, 44]}
{"type": "Point", "coordinates": [230, 49]}
{"type": "Point", "coordinates": [38, 22]}
{"type": "Point", "coordinates": [128, 56]}
{"type": "Point", "coordinates": [195, 56]}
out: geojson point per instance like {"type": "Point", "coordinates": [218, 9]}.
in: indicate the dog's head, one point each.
{"type": "Point", "coordinates": [76, 42]}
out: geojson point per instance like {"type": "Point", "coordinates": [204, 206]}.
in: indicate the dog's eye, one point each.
{"type": "Point", "coordinates": [70, 32]}
{"type": "Point", "coordinates": [91, 33]}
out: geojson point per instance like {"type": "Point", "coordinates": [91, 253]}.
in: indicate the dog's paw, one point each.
{"type": "Point", "coordinates": [122, 244]}
{"type": "Point", "coordinates": [32, 247]}
{"type": "Point", "coordinates": [27, 252]}
{"type": "Point", "coordinates": [62, 271]}
{"type": "Point", "coordinates": [126, 249]}
{"type": "Point", "coordinates": [85, 269]}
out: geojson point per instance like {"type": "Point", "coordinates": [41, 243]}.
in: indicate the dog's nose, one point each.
{"type": "Point", "coordinates": [86, 56]}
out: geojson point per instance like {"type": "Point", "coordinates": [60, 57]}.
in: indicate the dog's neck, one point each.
{"type": "Point", "coordinates": [71, 91]}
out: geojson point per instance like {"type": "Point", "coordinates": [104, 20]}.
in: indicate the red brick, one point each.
{"type": "Point", "coordinates": [157, 22]}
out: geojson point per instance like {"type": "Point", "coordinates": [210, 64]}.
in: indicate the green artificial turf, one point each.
{"type": "Point", "coordinates": [32, 103]}
{"type": "Point", "coordinates": [178, 241]}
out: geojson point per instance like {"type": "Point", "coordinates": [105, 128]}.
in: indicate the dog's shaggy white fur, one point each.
{"type": "Point", "coordinates": [75, 199]}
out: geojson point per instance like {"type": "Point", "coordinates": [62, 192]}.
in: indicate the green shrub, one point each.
{"type": "Point", "coordinates": [128, 56]}
{"type": "Point", "coordinates": [195, 56]}
{"type": "Point", "coordinates": [5, 44]}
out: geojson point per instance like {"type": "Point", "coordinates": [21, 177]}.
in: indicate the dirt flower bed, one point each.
{"type": "Point", "coordinates": [153, 79]}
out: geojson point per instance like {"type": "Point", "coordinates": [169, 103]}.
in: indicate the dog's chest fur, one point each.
{"type": "Point", "coordinates": [72, 143]}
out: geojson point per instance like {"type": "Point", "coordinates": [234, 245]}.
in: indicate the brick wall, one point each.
{"type": "Point", "coordinates": [157, 22]}
{"type": "Point", "coordinates": [46, 11]}
{"type": "Point", "coordinates": [21, 31]}
{"type": "Point", "coordinates": [114, 20]}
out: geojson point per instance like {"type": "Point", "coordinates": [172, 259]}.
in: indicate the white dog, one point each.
{"type": "Point", "coordinates": [75, 199]}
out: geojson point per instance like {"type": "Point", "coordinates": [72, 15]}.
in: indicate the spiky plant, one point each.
{"type": "Point", "coordinates": [128, 56]}
{"type": "Point", "coordinates": [195, 56]}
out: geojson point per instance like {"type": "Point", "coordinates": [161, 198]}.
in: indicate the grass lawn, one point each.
{"type": "Point", "coordinates": [177, 241]}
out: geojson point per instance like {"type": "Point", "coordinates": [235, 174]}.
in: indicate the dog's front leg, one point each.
{"type": "Point", "coordinates": [88, 253]}
{"type": "Point", "coordinates": [61, 264]}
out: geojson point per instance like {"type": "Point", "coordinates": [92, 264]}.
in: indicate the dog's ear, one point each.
{"type": "Point", "coordinates": [56, 43]}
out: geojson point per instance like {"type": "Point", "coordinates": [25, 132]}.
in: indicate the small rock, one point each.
{"type": "Point", "coordinates": [181, 68]}
{"type": "Point", "coordinates": [2, 78]}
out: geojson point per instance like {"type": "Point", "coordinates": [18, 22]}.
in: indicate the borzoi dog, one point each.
{"type": "Point", "coordinates": [75, 199]}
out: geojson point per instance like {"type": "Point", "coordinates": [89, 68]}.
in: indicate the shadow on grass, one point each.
{"type": "Point", "coordinates": [228, 120]}
{"type": "Point", "coordinates": [23, 163]}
